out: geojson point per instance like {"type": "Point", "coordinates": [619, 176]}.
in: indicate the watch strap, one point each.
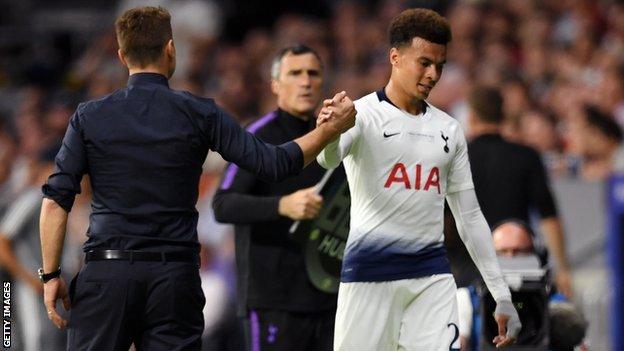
{"type": "Point", "coordinates": [45, 277]}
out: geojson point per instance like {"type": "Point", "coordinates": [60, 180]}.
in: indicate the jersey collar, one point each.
{"type": "Point", "coordinates": [381, 95]}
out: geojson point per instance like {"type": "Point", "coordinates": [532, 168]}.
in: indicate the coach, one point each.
{"type": "Point", "coordinates": [279, 307]}
{"type": "Point", "coordinates": [143, 147]}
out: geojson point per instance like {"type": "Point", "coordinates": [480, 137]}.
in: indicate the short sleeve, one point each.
{"type": "Point", "coordinates": [336, 151]}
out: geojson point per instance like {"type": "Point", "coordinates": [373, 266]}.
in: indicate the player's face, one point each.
{"type": "Point", "coordinates": [418, 67]}
{"type": "Point", "coordinates": [298, 87]}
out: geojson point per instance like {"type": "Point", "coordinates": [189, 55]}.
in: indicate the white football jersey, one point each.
{"type": "Point", "coordinates": [399, 168]}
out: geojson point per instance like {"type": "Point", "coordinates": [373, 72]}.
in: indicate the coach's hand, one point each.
{"type": "Point", "coordinates": [302, 204]}
{"type": "Point", "coordinates": [53, 290]}
{"type": "Point", "coordinates": [508, 323]}
{"type": "Point", "coordinates": [337, 113]}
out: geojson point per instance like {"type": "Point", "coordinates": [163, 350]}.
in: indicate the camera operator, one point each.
{"type": "Point", "coordinates": [514, 239]}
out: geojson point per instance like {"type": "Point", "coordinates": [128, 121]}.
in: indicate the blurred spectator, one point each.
{"type": "Point", "coordinates": [600, 140]}
{"type": "Point", "coordinates": [6, 162]}
{"type": "Point", "coordinates": [549, 58]}
{"type": "Point", "coordinates": [222, 331]}
{"type": "Point", "coordinates": [196, 23]}
{"type": "Point", "coordinates": [510, 181]}
{"type": "Point", "coordinates": [567, 328]}
{"type": "Point", "coordinates": [20, 255]}
{"type": "Point", "coordinates": [538, 130]}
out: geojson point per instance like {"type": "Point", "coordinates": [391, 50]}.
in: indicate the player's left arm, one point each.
{"type": "Point", "coordinates": [477, 237]}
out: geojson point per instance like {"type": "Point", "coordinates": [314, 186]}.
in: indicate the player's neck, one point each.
{"type": "Point", "coordinates": [402, 100]}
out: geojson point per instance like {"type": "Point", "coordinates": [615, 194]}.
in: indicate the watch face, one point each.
{"type": "Point", "coordinates": [46, 277]}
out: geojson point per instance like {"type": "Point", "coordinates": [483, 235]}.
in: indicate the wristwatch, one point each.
{"type": "Point", "coordinates": [46, 277]}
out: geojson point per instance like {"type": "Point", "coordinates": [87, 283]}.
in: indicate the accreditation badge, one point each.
{"type": "Point", "coordinates": [324, 238]}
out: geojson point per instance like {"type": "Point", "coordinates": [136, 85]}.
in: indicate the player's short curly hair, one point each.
{"type": "Point", "coordinates": [142, 33]}
{"type": "Point", "coordinates": [421, 23]}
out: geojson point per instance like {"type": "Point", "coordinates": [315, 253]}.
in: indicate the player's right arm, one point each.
{"type": "Point", "coordinates": [341, 147]}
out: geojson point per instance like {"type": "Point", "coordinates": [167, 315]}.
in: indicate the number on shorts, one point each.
{"type": "Point", "coordinates": [455, 337]}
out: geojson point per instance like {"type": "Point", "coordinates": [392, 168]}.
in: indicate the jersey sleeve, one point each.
{"type": "Point", "coordinates": [459, 176]}
{"type": "Point", "coordinates": [476, 235]}
{"type": "Point", "coordinates": [344, 145]}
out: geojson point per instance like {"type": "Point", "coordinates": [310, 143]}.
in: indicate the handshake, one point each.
{"type": "Point", "coordinates": [337, 114]}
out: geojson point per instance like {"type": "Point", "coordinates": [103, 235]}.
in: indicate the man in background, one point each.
{"type": "Point", "coordinates": [281, 309]}
{"type": "Point", "coordinates": [600, 139]}
{"type": "Point", "coordinates": [20, 257]}
{"type": "Point", "coordinates": [510, 181]}
{"type": "Point", "coordinates": [514, 238]}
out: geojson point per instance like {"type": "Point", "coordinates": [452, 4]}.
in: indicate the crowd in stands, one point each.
{"type": "Point", "coordinates": [559, 65]}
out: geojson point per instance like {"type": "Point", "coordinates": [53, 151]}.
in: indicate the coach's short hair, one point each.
{"type": "Point", "coordinates": [487, 104]}
{"type": "Point", "coordinates": [421, 23]}
{"type": "Point", "coordinates": [142, 33]}
{"type": "Point", "coordinates": [298, 49]}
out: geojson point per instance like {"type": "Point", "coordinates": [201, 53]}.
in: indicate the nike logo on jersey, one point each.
{"type": "Point", "coordinates": [445, 138]}
{"type": "Point", "coordinates": [386, 135]}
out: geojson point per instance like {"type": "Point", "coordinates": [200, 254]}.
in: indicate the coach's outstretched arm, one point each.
{"type": "Point", "coordinates": [344, 119]}
{"type": "Point", "coordinates": [476, 235]}
{"type": "Point", "coordinates": [273, 163]}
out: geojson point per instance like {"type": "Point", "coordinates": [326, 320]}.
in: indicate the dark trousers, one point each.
{"type": "Point", "coordinates": [155, 305]}
{"type": "Point", "coordinates": [272, 330]}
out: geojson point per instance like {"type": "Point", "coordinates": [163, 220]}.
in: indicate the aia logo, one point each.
{"type": "Point", "coordinates": [399, 175]}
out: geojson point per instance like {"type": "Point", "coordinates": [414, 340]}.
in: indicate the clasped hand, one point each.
{"type": "Point", "coordinates": [338, 113]}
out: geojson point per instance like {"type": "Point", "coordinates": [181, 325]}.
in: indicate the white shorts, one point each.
{"type": "Point", "coordinates": [407, 315]}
